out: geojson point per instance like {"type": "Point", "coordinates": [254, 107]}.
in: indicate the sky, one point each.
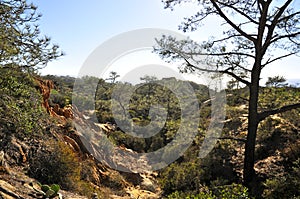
{"type": "Point", "coordinates": [79, 27]}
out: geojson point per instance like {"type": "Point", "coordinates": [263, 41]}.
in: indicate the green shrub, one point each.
{"type": "Point", "coordinates": [130, 142]}
{"type": "Point", "coordinates": [59, 164]}
{"type": "Point", "coordinates": [57, 98]}
{"type": "Point", "coordinates": [233, 191]}
{"type": "Point", "coordinates": [181, 177]}
{"type": "Point", "coordinates": [287, 186]}
{"type": "Point", "coordinates": [21, 111]}
{"type": "Point", "coordinates": [56, 165]}
{"type": "Point", "coordinates": [182, 195]}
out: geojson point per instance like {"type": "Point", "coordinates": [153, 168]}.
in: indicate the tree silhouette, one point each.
{"type": "Point", "coordinates": [254, 32]}
{"type": "Point", "coordinates": [277, 81]}
{"type": "Point", "coordinates": [113, 76]}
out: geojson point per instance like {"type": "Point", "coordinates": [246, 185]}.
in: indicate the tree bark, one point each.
{"type": "Point", "coordinates": [253, 121]}
{"type": "Point", "coordinates": [250, 142]}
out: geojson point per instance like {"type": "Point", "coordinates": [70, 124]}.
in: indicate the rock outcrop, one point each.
{"type": "Point", "coordinates": [86, 139]}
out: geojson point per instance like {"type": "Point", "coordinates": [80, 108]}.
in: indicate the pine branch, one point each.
{"type": "Point", "coordinates": [274, 23]}
{"type": "Point", "coordinates": [285, 36]}
{"type": "Point", "coordinates": [263, 115]}
{"type": "Point", "coordinates": [218, 71]}
{"type": "Point", "coordinates": [240, 12]}
{"type": "Point", "coordinates": [278, 58]}
{"type": "Point", "coordinates": [221, 13]}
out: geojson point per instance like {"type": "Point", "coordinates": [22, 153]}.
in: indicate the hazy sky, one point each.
{"type": "Point", "coordinates": [80, 26]}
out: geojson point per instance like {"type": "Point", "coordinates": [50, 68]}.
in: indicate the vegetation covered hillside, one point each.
{"type": "Point", "coordinates": [58, 141]}
{"type": "Point", "coordinates": [221, 171]}
{"type": "Point", "coordinates": [41, 146]}
{"type": "Point", "coordinates": [39, 141]}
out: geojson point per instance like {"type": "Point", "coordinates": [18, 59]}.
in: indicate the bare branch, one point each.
{"type": "Point", "coordinates": [218, 71]}
{"type": "Point", "coordinates": [289, 16]}
{"type": "Point", "coordinates": [262, 25]}
{"type": "Point", "coordinates": [284, 36]}
{"type": "Point", "coordinates": [240, 12]}
{"type": "Point", "coordinates": [278, 58]}
{"type": "Point", "coordinates": [221, 13]}
{"type": "Point", "coordinates": [229, 37]}
{"type": "Point", "coordinates": [224, 54]}
{"type": "Point", "coordinates": [202, 18]}
{"type": "Point", "coordinates": [226, 38]}
{"type": "Point", "coordinates": [258, 5]}
{"type": "Point", "coordinates": [245, 69]}
{"type": "Point", "coordinates": [274, 23]}
{"type": "Point", "coordinates": [280, 12]}
{"type": "Point", "coordinates": [180, 52]}
{"type": "Point", "coordinates": [263, 115]}
{"type": "Point", "coordinates": [247, 83]}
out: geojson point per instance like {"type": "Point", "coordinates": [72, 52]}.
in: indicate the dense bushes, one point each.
{"type": "Point", "coordinates": [213, 176]}
{"type": "Point", "coordinates": [233, 191]}
{"type": "Point", "coordinates": [190, 174]}
{"type": "Point", "coordinates": [286, 186]}
{"type": "Point", "coordinates": [181, 177]}
{"type": "Point", "coordinates": [21, 112]}
{"type": "Point", "coordinates": [56, 163]}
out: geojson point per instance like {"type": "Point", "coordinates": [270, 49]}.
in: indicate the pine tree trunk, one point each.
{"type": "Point", "coordinates": [249, 159]}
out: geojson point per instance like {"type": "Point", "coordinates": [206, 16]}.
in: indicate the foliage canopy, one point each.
{"type": "Point", "coordinates": [21, 42]}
